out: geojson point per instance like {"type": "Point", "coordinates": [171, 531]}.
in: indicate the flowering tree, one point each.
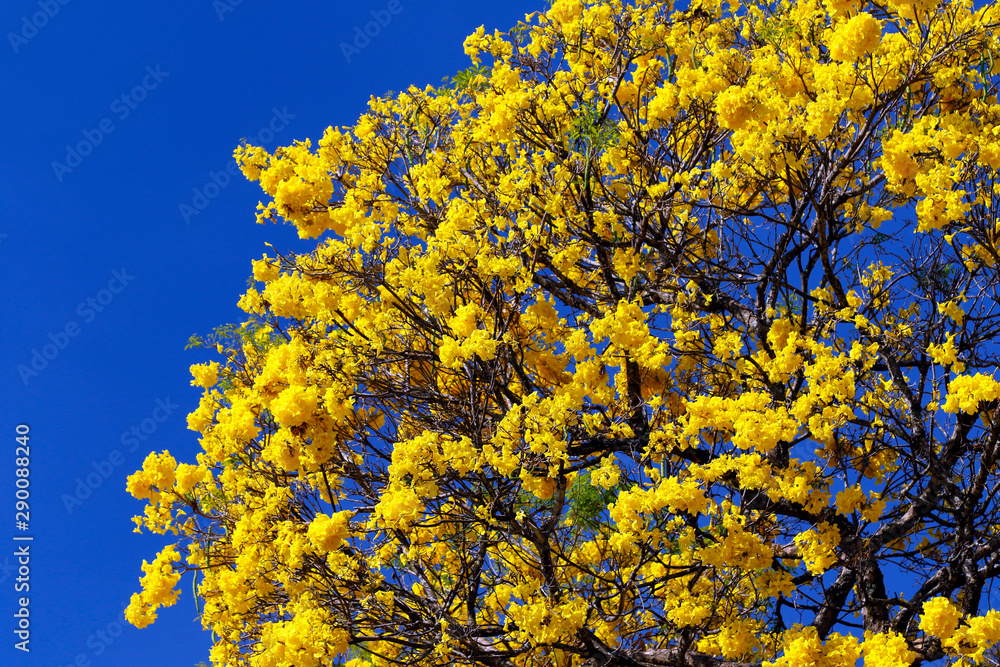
{"type": "Point", "coordinates": [655, 337]}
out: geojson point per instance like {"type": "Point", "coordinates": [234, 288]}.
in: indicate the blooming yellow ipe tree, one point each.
{"type": "Point", "coordinates": [658, 336]}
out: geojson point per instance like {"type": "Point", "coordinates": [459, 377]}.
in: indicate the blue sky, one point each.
{"type": "Point", "coordinates": [114, 116]}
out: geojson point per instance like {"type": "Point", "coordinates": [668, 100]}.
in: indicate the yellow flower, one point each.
{"type": "Point", "coordinates": [855, 37]}
{"type": "Point", "coordinates": [606, 476]}
{"type": "Point", "coordinates": [205, 375]}
{"type": "Point", "coordinates": [850, 499]}
{"type": "Point", "coordinates": [327, 533]}
{"type": "Point", "coordinates": [157, 588]}
{"type": "Point", "coordinates": [817, 547]}
{"type": "Point", "coordinates": [187, 476]}
{"type": "Point", "coordinates": [265, 270]}
{"type": "Point", "coordinates": [946, 354]}
{"type": "Point", "coordinates": [940, 617]}
{"type": "Point", "coordinates": [295, 405]}
{"type": "Point", "coordinates": [965, 392]}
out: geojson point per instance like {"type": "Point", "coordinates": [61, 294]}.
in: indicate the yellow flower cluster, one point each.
{"type": "Point", "coordinates": [627, 330]}
{"type": "Point", "coordinates": [966, 392]}
{"type": "Point", "coordinates": [295, 405]}
{"type": "Point", "coordinates": [817, 547]}
{"type": "Point", "coordinates": [327, 533]}
{"type": "Point", "coordinates": [946, 354]}
{"type": "Point", "coordinates": [850, 499]}
{"type": "Point", "coordinates": [975, 636]}
{"type": "Point", "coordinates": [205, 375]}
{"type": "Point", "coordinates": [607, 475]}
{"type": "Point", "coordinates": [156, 477]}
{"type": "Point", "coordinates": [802, 646]}
{"type": "Point", "coordinates": [309, 639]}
{"type": "Point", "coordinates": [158, 582]}
{"type": "Point", "coordinates": [887, 649]}
{"type": "Point", "coordinates": [940, 617]}
{"type": "Point", "coordinates": [855, 38]}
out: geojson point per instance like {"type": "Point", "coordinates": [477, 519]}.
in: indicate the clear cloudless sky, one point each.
{"type": "Point", "coordinates": [105, 280]}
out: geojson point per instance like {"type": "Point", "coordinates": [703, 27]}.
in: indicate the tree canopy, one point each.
{"type": "Point", "coordinates": [659, 336]}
